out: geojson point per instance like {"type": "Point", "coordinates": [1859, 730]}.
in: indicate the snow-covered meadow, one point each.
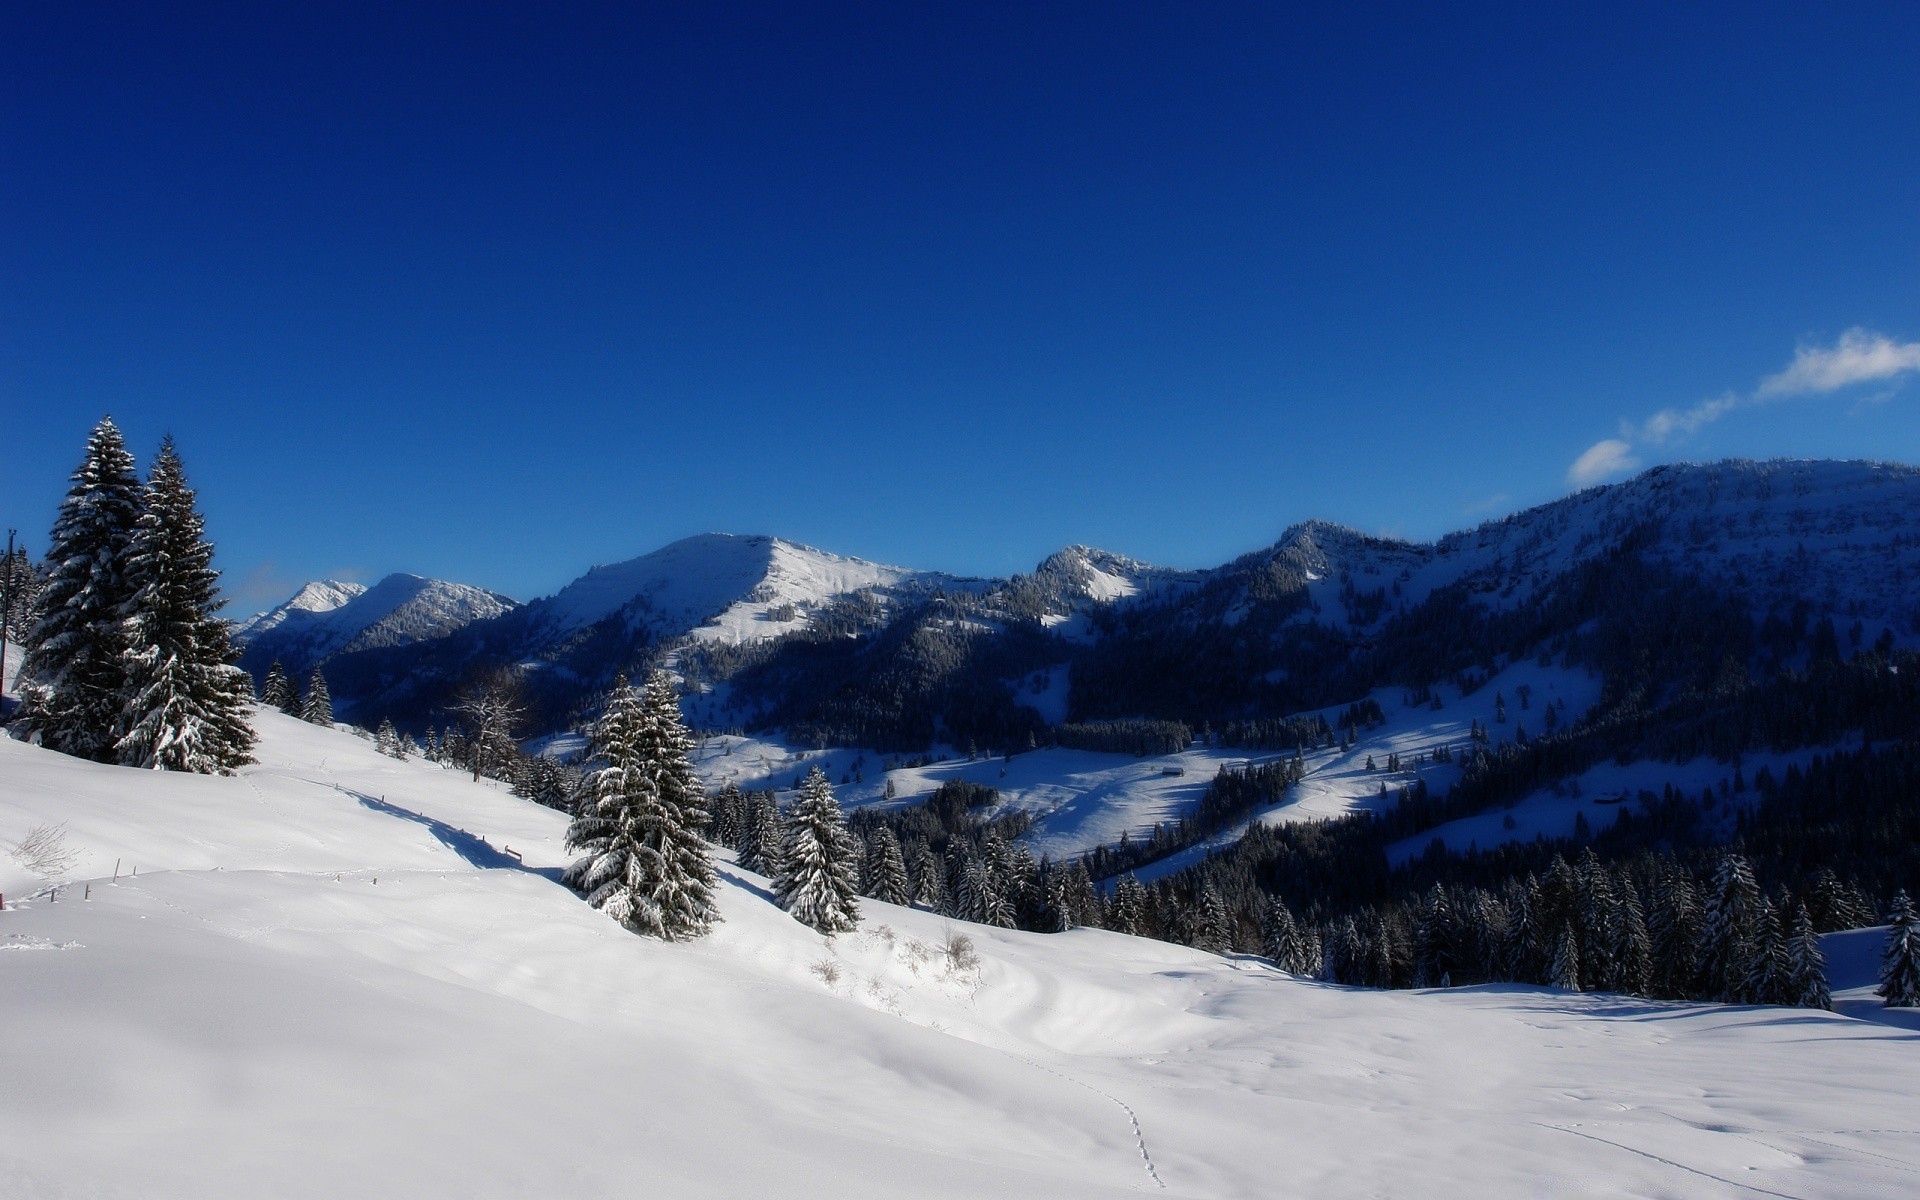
{"type": "Point", "coordinates": [337, 974]}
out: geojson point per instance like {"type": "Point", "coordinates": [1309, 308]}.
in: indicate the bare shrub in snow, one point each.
{"type": "Point", "coordinates": [45, 852]}
{"type": "Point", "coordinates": [960, 951]}
{"type": "Point", "coordinates": [827, 970]}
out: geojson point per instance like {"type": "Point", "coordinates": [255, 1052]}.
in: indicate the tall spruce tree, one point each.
{"type": "Point", "coordinates": [1806, 984]}
{"type": "Point", "coordinates": [184, 703]}
{"type": "Point", "coordinates": [1565, 972]}
{"type": "Point", "coordinates": [317, 708]}
{"type": "Point", "coordinates": [760, 850]}
{"type": "Point", "coordinates": [1213, 927]}
{"type": "Point", "coordinates": [639, 819]}
{"type": "Point", "coordinates": [819, 858]}
{"type": "Point", "coordinates": [1127, 913]}
{"type": "Point", "coordinates": [74, 674]}
{"type": "Point", "coordinates": [1729, 931]}
{"type": "Point", "coordinates": [1900, 962]}
{"type": "Point", "coordinates": [276, 691]}
{"type": "Point", "coordinates": [929, 878]}
{"type": "Point", "coordinates": [885, 875]}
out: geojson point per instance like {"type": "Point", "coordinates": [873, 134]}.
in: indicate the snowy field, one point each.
{"type": "Point", "coordinates": [331, 978]}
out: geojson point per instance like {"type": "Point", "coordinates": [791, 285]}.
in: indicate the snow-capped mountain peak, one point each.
{"type": "Point", "coordinates": [318, 596]}
{"type": "Point", "coordinates": [718, 587]}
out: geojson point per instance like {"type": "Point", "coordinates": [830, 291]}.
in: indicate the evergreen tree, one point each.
{"type": "Point", "coordinates": [1806, 982]}
{"type": "Point", "coordinates": [639, 819]}
{"type": "Point", "coordinates": [1129, 905]}
{"type": "Point", "coordinates": [929, 878]}
{"type": "Point", "coordinates": [184, 704]}
{"type": "Point", "coordinates": [1900, 963]}
{"type": "Point", "coordinates": [317, 708]}
{"type": "Point", "coordinates": [761, 851]}
{"type": "Point", "coordinates": [1280, 937]}
{"type": "Point", "coordinates": [1566, 960]}
{"type": "Point", "coordinates": [277, 691]}
{"type": "Point", "coordinates": [1632, 942]}
{"type": "Point", "coordinates": [729, 818]}
{"type": "Point", "coordinates": [20, 584]}
{"type": "Point", "coordinates": [886, 870]}
{"type": "Point", "coordinates": [1433, 955]}
{"type": "Point", "coordinates": [1768, 968]}
{"type": "Point", "coordinates": [1214, 928]}
{"type": "Point", "coordinates": [1673, 932]}
{"type": "Point", "coordinates": [386, 739]}
{"type": "Point", "coordinates": [74, 674]}
{"type": "Point", "coordinates": [818, 860]}
{"type": "Point", "coordinates": [1056, 912]}
{"type": "Point", "coordinates": [1729, 931]}
{"type": "Point", "coordinates": [1835, 905]}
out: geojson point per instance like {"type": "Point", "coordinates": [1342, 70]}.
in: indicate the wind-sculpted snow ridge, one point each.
{"type": "Point", "coordinates": [399, 610]}
{"type": "Point", "coordinates": [336, 975]}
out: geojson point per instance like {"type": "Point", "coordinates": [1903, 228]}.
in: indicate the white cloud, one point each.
{"type": "Point", "coordinates": [1602, 459]}
{"type": "Point", "coordinates": [1669, 422]}
{"type": "Point", "coordinates": [1860, 356]}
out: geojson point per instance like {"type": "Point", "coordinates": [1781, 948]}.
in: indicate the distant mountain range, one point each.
{"type": "Point", "coordinates": [329, 618]}
{"type": "Point", "coordinates": [770, 632]}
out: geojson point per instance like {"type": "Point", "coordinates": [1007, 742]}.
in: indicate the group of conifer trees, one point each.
{"type": "Point", "coordinates": [938, 855]}
{"type": "Point", "coordinates": [640, 816]}
{"type": "Point", "coordinates": [126, 659]}
{"type": "Point", "coordinates": [316, 707]}
{"type": "Point", "coordinates": [1656, 931]}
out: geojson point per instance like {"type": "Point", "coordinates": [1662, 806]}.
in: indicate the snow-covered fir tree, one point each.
{"type": "Point", "coordinates": [819, 858]}
{"type": "Point", "coordinates": [1280, 935]}
{"type": "Point", "coordinates": [1129, 905]}
{"type": "Point", "coordinates": [20, 584]}
{"type": "Point", "coordinates": [386, 738]}
{"type": "Point", "coordinates": [639, 819]}
{"type": "Point", "coordinates": [1836, 905]}
{"type": "Point", "coordinates": [184, 704]}
{"type": "Point", "coordinates": [1214, 927]}
{"type": "Point", "coordinates": [276, 691]}
{"type": "Point", "coordinates": [885, 876]}
{"type": "Point", "coordinates": [1900, 962]}
{"type": "Point", "coordinates": [1565, 972]}
{"type": "Point", "coordinates": [74, 674]}
{"type": "Point", "coordinates": [1729, 931]}
{"type": "Point", "coordinates": [1673, 934]}
{"type": "Point", "coordinates": [929, 877]}
{"type": "Point", "coordinates": [1768, 969]}
{"type": "Point", "coordinates": [760, 847]}
{"type": "Point", "coordinates": [1806, 983]}
{"type": "Point", "coordinates": [729, 810]}
{"type": "Point", "coordinates": [317, 708]}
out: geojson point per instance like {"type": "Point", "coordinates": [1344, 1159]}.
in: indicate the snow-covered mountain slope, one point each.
{"type": "Point", "coordinates": [717, 586]}
{"type": "Point", "coordinates": [330, 978]}
{"type": "Point", "coordinates": [1082, 799]}
{"type": "Point", "coordinates": [328, 618]}
{"type": "Point", "coordinates": [1084, 574]}
{"type": "Point", "coordinates": [313, 599]}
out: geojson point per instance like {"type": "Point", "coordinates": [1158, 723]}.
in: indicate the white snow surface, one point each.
{"type": "Point", "coordinates": [330, 979]}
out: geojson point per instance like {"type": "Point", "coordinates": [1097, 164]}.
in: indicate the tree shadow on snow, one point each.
{"type": "Point", "coordinates": [473, 849]}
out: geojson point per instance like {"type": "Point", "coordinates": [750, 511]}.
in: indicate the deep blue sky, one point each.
{"type": "Point", "coordinates": [496, 292]}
